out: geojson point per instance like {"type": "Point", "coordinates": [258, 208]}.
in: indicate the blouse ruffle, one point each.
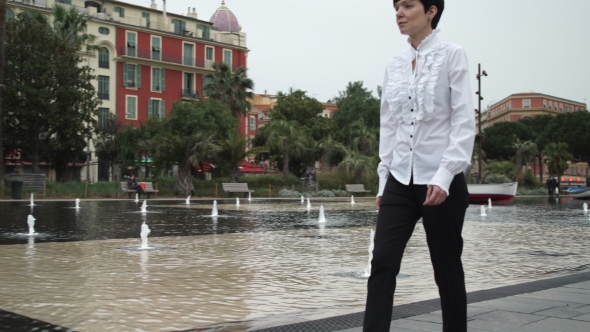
{"type": "Point", "coordinates": [400, 87]}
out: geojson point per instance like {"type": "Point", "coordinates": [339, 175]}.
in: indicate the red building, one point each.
{"type": "Point", "coordinates": [165, 60]}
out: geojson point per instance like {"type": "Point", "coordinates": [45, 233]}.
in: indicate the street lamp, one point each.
{"type": "Point", "coordinates": [480, 136]}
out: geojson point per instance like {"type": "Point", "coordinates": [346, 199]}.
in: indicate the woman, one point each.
{"type": "Point", "coordinates": [426, 141]}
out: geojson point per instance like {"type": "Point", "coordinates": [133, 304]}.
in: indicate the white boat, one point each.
{"type": "Point", "coordinates": [500, 192]}
{"type": "Point", "coordinates": [579, 192]}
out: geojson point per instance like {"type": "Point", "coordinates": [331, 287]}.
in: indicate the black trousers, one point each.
{"type": "Point", "coordinates": [401, 207]}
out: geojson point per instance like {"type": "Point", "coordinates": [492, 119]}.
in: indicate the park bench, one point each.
{"type": "Point", "coordinates": [236, 188]}
{"type": "Point", "coordinates": [31, 182]}
{"type": "Point", "coordinates": [356, 188]}
{"type": "Point", "coordinates": [149, 189]}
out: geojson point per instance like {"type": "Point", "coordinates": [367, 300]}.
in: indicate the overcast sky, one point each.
{"type": "Point", "coordinates": [321, 45]}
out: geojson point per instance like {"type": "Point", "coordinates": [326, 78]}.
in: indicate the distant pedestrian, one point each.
{"type": "Point", "coordinates": [550, 185]}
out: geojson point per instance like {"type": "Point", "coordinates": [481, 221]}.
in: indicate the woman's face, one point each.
{"type": "Point", "coordinates": [411, 18]}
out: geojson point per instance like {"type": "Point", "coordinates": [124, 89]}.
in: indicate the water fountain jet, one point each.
{"type": "Point", "coordinates": [489, 203]}
{"type": "Point", "coordinates": [322, 218]}
{"type": "Point", "coordinates": [214, 212]}
{"type": "Point", "coordinates": [188, 200]}
{"type": "Point", "coordinates": [144, 206]}
{"type": "Point", "coordinates": [302, 200]}
{"type": "Point", "coordinates": [31, 222]}
{"type": "Point", "coordinates": [249, 197]}
{"type": "Point", "coordinates": [483, 211]}
{"type": "Point", "coordinates": [136, 197]}
{"type": "Point", "coordinates": [308, 204]}
{"type": "Point", "coordinates": [77, 203]}
{"type": "Point", "coordinates": [585, 207]}
{"type": "Point", "coordinates": [145, 230]}
{"type": "Point", "coordinates": [237, 201]}
{"type": "Point", "coordinates": [32, 199]}
{"type": "Point", "coordinates": [351, 199]}
{"type": "Point", "coordinates": [371, 247]}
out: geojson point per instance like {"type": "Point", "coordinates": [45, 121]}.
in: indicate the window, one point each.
{"type": "Point", "coordinates": [9, 14]}
{"type": "Point", "coordinates": [156, 108]}
{"type": "Point", "coordinates": [67, 2]}
{"type": "Point", "coordinates": [544, 103]}
{"type": "Point", "coordinates": [561, 107]}
{"type": "Point", "coordinates": [131, 44]}
{"type": "Point", "coordinates": [131, 108]}
{"type": "Point", "coordinates": [103, 116]}
{"type": "Point", "coordinates": [147, 18]}
{"type": "Point", "coordinates": [550, 104]}
{"type": "Point", "coordinates": [158, 79]}
{"type": "Point", "coordinates": [156, 48]}
{"type": "Point", "coordinates": [206, 80]}
{"type": "Point", "coordinates": [103, 58]}
{"type": "Point", "coordinates": [188, 58]}
{"type": "Point", "coordinates": [252, 123]}
{"type": "Point", "coordinates": [179, 26]}
{"type": "Point", "coordinates": [227, 57]}
{"type": "Point", "coordinates": [103, 87]}
{"type": "Point", "coordinates": [131, 75]}
{"type": "Point", "coordinates": [93, 4]}
{"type": "Point", "coordinates": [119, 10]}
{"type": "Point", "coordinates": [209, 53]}
{"type": "Point", "coordinates": [206, 31]}
{"type": "Point", "coordinates": [103, 31]}
{"type": "Point", "coordinates": [526, 103]}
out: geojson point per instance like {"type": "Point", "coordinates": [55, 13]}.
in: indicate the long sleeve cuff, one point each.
{"type": "Point", "coordinates": [382, 182]}
{"type": "Point", "coordinates": [443, 179]}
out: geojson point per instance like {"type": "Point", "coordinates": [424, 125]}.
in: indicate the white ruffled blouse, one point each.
{"type": "Point", "coordinates": [427, 115]}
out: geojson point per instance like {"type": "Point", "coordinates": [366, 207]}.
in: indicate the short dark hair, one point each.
{"type": "Point", "coordinates": [439, 4]}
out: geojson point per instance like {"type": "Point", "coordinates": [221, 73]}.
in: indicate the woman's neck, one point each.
{"type": "Point", "coordinates": [420, 36]}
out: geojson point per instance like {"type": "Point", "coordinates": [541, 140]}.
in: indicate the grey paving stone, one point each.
{"type": "Point", "coordinates": [568, 311]}
{"type": "Point", "coordinates": [556, 295]}
{"type": "Point", "coordinates": [484, 325]}
{"type": "Point", "coordinates": [431, 317]}
{"type": "Point", "coordinates": [560, 324]}
{"type": "Point", "coordinates": [515, 318]}
{"type": "Point", "coordinates": [471, 310]}
{"type": "Point", "coordinates": [585, 317]}
{"type": "Point", "coordinates": [519, 304]}
{"type": "Point", "coordinates": [585, 285]}
{"type": "Point", "coordinates": [415, 325]}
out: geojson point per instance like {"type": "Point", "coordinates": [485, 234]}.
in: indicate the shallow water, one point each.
{"type": "Point", "coordinates": [265, 262]}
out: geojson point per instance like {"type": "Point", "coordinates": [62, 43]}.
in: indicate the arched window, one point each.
{"type": "Point", "coordinates": [9, 13]}
{"type": "Point", "coordinates": [103, 58]}
{"type": "Point", "coordinates": [103, 31]}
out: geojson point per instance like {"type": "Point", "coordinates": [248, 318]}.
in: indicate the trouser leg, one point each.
{"type": "Point", "coordinates": [443, 225]}
{"type": "Point", "coordinates": [397, 218]}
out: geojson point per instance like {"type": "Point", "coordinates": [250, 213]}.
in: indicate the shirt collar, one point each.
{"type": "Point", "coordinates": [428, 42]}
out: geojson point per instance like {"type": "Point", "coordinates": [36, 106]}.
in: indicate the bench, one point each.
{"type": "Point", "coordinates": [31, 182]}
{"type": "Point", "coordinates": [356, 188]}
{"type": "Point", "coordinates": [236, 188]}
{"type": "Point", "coordinates": [149, 189]}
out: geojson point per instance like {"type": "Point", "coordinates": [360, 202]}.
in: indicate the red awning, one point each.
{"type": "Point", "coordinates": [246, 167]}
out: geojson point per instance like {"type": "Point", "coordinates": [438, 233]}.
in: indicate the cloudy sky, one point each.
{"type": "Point", "coordinates": [321, 45]}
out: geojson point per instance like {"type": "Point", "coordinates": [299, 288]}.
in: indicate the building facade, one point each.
{"type": "Point", "coordinates": [148, 58]}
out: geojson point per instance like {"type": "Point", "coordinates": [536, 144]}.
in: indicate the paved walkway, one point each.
{"type": "Point", "coordinates": [557, 304]}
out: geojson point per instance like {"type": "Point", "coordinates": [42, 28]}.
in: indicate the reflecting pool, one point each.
{"type": "Point", "coordinates": [263, 263]}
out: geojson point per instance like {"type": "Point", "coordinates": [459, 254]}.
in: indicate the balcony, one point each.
{"type": "Point", "coordinates": [165, 57]}
{"type": "Point", "coordinates": [190, 94]}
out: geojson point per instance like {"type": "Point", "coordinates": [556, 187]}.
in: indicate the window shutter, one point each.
{"type": "Point", "coordinates": [154, 79]}
{"type": "Point", "coordinates": [150, 108]}
{"type": "Point", "coordinates": [122, 11]}
{"type": "Point", "coordinates": [163, 79]}
{"type": "Point", "coordinates": [182, 26]}
{"type": "Point", "coordinates": [124, 74]}
{"type": "Point", "coordinates": [162, 109]}
{"type": "Point", "coordinates": [138, 76]}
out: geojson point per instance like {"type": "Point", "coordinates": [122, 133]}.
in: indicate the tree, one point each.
{"type": "Point", "coordinates": [2, 42]}
{"type": "Point", "coordinates": [355, 103]}
{"type": "Point", "coordinates": [538, 125]}
{"type": "Point", "coordinates": [282, 136]}
{"type": "Point", "coordinates": [233, 150]}
{"type": "Point", "coordinates": [69, 25]}
{"type": "Point", "coordinates": [232, 89]}
{"type": "Point", "coordinates": [524, 151]}
{"type": "Point", "coordinates": [309, 151]}
{"type": "Point", "coordinates": [106, 145]}
{"type": "Point", "coordinates": [499, 137]}
{"type": "Point", "coordinates": [363, 138]}
{"type": "Point", "coordinates": [330, 148]}
{"type": "Point", "coordinates": [297, 106]}
{"type": "Point", "coordinates": [557, 157]}
{"type": "Point", "coordinates": [574, 129]}
{"type": "Point", "coordinates": [357, 163]}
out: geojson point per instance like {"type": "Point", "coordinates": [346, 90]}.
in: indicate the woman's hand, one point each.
{"type": "Point", "coordinates": [378, 202]}
{"type": "Point", "coordinates": [435, 196]}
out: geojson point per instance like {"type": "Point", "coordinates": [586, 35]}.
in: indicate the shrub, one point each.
{"type": "Point", "coordinates": [289, 193]}
{"type": "Point", "coordinates": [528, 180]}
{"type": "Point", "coordinates": [341, 193]}
{"type": "Point", "coordinates": [534, 191]}
{"type": "Point", "coordinates": [325, 193]}
{"type": "Point", "coordinates": [496, 178]}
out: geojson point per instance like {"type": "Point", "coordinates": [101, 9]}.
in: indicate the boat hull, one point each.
{"type": "Point", "coordinates": [498, 193]}
{"type": "Point", "coordinates": [583, 194]}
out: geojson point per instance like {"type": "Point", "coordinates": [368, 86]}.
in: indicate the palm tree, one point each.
{"type": "Point", "coordinates": [283, 137]}
{"type": "Point", "coordinates": [186, 152]}
{"type": "Point", "coordinates": [232, 89]}
{"type": "Point", "coordinates": [556, 157]}
{"type": "Point", "coordinates": [329, 147]}
{"type": "Point", "coordinates": [309, 151]}
{"type": "Point", "coordinates": [524, 151]}
{"type": "Point", "coordinates": [364, 138]}
{"type": "Point", "coordinates": [70, 26]}
{"type": "Point", "coordinates": [357, 163]}
{"type": "Point", "coordinates": [234, 149]}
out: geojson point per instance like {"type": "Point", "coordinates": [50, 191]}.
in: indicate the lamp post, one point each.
{"type": "Point", "coordinates": [479, 133]}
